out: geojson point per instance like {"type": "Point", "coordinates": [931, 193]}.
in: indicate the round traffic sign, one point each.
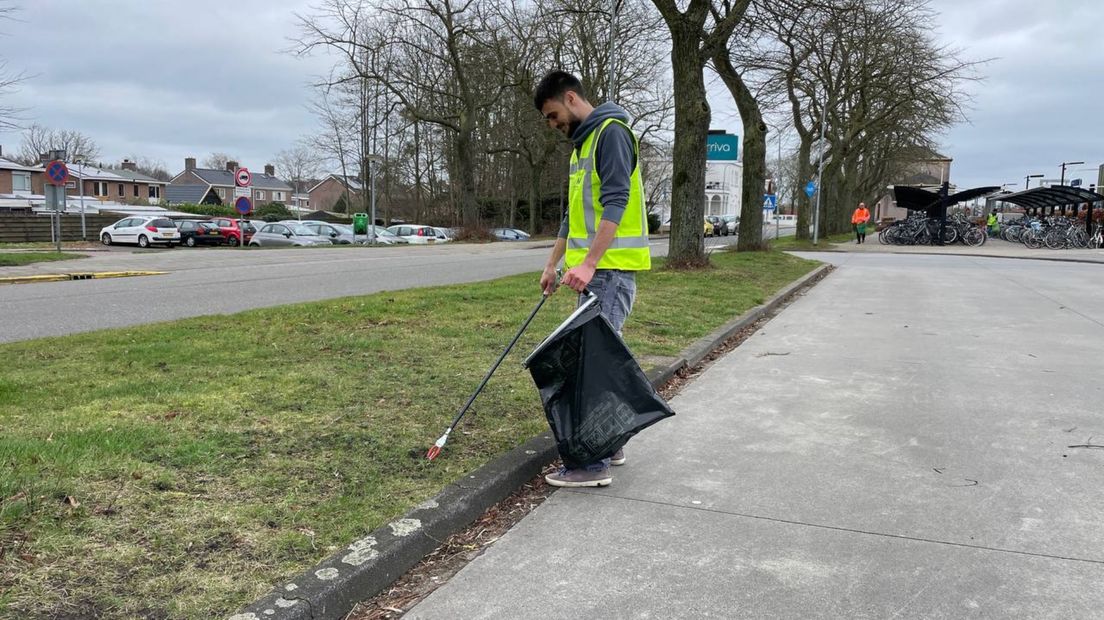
{"type": "Point", "coordinates": [243, 205]}
{"type": "Point", "coordinates": [57, 173]}
{"type": "Point", "coordinates": [243, 177]}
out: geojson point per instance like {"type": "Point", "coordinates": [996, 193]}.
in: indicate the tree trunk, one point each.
{"type": "Point", "coordinates": [755, 155]}
{"type": "Point", "coordinates": [804, 202]}
{"type": "Point", "coordinates": [465, 153]}
{"type": "Point", "coordinates": [534, 197]}
{"type": "Point", "coordinates": [692, 116]}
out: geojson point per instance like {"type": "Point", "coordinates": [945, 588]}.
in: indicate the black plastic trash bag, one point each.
{"type": "Point", "coordinates": [595, 395]}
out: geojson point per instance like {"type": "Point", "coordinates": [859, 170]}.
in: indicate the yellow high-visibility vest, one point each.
{"type": "Point", "coordinates": [629, 250]}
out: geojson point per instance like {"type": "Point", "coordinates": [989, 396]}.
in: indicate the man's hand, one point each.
{"type": "Point", "coordinates": [549, 281]}
{"type": "Point", "coordinates": [577, 278]}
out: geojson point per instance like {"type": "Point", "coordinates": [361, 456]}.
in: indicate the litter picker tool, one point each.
{"type": "Point", "coordinates": [436, 448]}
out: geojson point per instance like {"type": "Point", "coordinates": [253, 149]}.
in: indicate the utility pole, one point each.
{"type": "Point", "coordinates": [1064, 164]}
{"type": "Point", "coordinates": [612, 41]}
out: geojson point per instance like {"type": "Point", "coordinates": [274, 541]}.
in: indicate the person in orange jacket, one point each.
{"type": "Point", "coordinates": [858, 220]}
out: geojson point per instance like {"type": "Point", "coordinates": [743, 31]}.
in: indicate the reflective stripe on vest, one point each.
{"type": "Point", "coordinates": [629, 250]}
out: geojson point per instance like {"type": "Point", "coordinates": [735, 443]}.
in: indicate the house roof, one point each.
{"type": "Point", "coordinates": [185, 194]}
{"type": "Point", "coordinates": [354, 183]}
{"type": "Point", "coordinates": [139, 177]}
{"type": "Point", "coordinates": [225, 178]}
{"type": "Point", "coordinates": [7, 164]}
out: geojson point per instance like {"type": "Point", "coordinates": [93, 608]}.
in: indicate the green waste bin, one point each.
{"type": "Point", "coordinates": [360, 223]}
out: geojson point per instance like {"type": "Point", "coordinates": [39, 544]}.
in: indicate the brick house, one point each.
{"type": "Point", "coordinates": [328, 191]}
{"type": "Point", "coordinates": [19, 180]}
{"type": "Point", "coordinates": [124, 186]}
{"type": "Point", "coordinates": [210, 186]}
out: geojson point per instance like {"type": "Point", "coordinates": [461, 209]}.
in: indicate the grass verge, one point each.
{"type": "Point", "coordinates": [179, 470]}
{"type": "Point", "coordinates": [786, 244]}
{"type": "Point", "coordinates": [15, 259]}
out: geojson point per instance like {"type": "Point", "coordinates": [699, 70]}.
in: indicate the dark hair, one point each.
{"type": "Point", "coordinates": [554, 85]}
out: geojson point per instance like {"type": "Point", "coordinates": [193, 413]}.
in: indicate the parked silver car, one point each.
{"type": "Point", "coordinates": [285, 235]}
{"type": "Point", "coordinates": [334, 232]}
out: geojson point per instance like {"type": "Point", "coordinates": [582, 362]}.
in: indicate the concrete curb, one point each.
{"type": "Point", "coordinates": [60, 277]}
{"type": "Point", "coordinates": [366, 567]}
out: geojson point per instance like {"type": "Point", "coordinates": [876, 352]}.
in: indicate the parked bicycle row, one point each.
{"type": "Point", "coordinates": [1054, 232]}
{"type": "Point", "coordinates": [922, 230]}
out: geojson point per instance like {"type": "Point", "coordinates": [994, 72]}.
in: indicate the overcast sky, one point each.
{"type": "Point", "coordinates": [169, 79]}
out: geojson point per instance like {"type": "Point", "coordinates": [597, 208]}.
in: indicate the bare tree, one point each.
{"type": "Point", "coordinates": [39, 140]}
{"type": "Point", "coordinates": [149, 166]}
{"type": "Point", "coordinates": [697, 33]}
{"type": "Point", "coordinates": [218, 160]}
{"type": "Point", "coordinates": [9, 80]}
{"type": "Point", "coordinates": [298, 164]}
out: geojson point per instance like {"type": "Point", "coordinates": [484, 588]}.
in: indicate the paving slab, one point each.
{"type": "Point", "coordinates": [894, 444]}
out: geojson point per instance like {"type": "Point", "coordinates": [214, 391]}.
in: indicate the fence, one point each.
{"type": "Point", "coordinates": [36, 228]}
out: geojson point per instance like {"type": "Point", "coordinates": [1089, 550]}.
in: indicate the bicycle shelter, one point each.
{"type": "Point", "coordinates": [1038, 200]}
{"type": "Point", "coordinates": [936, 204]}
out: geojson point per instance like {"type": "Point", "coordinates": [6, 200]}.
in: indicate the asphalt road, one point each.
{"type": "Point", "coordinates": [206, 281]}
{"type": "Point", "coordinates": [901, 442]}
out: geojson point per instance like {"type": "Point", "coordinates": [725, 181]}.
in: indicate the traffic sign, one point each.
{"type": "Point", "coordinates": [242, 191]}
{"type": "Point", "coordinates": [243, 178]}
{"type": "Point", "coordinates": [1075, 182]}
{"type": "Point", "coordinates": [810, 189]}
{"type": "Point", "coordinates": [770, 202]}
{"type": "Point", "coordinates": [243, 205]}
{"type": "Point", "coordinates": [57, 173]}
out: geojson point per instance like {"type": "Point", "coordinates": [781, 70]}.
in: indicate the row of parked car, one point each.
{"type": "Point", "coordinates": [145, 231]}
{"type": "Point", "coordinates": [721, 225]}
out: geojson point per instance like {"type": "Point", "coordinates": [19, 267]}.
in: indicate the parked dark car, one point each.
{"type": "Point", "coordinates": [199, 232]}
{"type": "Point", "coordinates": [720, 226]}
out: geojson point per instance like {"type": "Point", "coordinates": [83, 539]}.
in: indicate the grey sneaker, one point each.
{"type": "Point", "coordinates": [579, 478]}
{"type": "Point", "coordinates": [618, 457]}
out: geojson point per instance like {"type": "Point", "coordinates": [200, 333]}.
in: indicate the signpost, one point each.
{"type": "Point", "coordinates": [244, 206]}
{"type": "Point", "coordinates": [57, 175]}
{"type": "Point", "coordinates": [242, 201]}
{"type": "Point", "coordinates": [810, 188]}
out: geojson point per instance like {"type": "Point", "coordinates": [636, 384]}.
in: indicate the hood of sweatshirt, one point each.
{"type": "Point", "coordinates": [600, 115]}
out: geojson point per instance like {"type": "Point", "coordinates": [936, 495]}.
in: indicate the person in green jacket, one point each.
{"type": "Point", "coordinates": [992, 224]}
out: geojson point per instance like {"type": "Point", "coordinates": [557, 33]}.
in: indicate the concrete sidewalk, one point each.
{"type": "Point", "coordinates": [993, 248]}
{"type": "Point", "coordinates": [894, 444]}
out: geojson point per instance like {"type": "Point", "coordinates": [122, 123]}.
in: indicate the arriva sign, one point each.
{"type": "Point", "coordinates": [722, 147]}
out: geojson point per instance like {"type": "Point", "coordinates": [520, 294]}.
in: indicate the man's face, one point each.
{"type": "Point", "coordinates": [559, 117]}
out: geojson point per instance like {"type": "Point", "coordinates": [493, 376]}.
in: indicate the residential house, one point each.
{"type": "Point", "coordinates": [19, 180]}
{"type": "Point", "coordinates": [124, 185]}
{"type": "Point", "coordinates": [326, 194]}
{"type": "Point", "coordinates": [210, 186]}
{"type": "Point", "coordinates": [922, 168]}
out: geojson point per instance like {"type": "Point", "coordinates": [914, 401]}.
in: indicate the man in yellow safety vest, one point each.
{"type": "Point", "coordinates": [603, 239]}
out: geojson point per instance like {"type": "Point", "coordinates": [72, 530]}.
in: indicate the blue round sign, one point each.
{"type": "Point", "coordinates": [243, 205]}
{"type": "Point", "coordinates": [810, 189]}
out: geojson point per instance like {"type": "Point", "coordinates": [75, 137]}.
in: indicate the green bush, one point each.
{"type": "Point", "coordinates": [206, 210]}
{"type": "Point", "coordinates": [272, 212]}
{"type": "Point", "coordinates": [653, 223]}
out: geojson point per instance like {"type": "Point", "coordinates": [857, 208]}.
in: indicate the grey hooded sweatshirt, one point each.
{"type": "Point", "coordinates": [615, 160]}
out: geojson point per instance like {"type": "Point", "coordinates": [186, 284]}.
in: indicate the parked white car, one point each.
{"type": "Point", "coordinates": [414, 233]}
{"type": "Point", "coordinates": [145, 230]}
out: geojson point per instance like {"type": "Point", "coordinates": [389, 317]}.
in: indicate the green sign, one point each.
{"type": "Point", "coordinates": [722, 147]}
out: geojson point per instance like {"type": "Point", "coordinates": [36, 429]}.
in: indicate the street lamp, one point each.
{"type": "Point", "coordinates": [1027, 180]}
{"type": "Point", "coordinates": [1064, 164]}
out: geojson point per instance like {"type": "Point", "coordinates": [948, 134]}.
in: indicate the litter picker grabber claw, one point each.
{"type": "Point", "coordinates": [440, 443]}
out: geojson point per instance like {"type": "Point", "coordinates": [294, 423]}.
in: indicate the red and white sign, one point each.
{"type": "Point", "coordinates": [243, 178]}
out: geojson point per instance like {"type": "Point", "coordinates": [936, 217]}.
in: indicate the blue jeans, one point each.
{"type": "Point", "coordinates": [616, 291]}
